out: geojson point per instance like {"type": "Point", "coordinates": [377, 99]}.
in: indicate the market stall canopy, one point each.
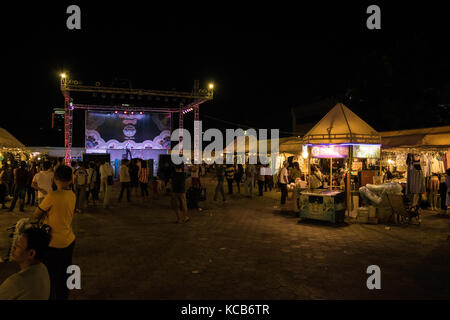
{"type": "Point", "coordinates": [341, 125]}
{"type": "Point", "coordinates": [8, 141]}
{"type": "Point", "coordinates": [268, 143]}
{"type": "Point", "coordinates": [428, 137]}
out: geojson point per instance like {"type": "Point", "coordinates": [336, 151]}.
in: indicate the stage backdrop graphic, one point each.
{"type": "Point", "coordinates": [107, 130]}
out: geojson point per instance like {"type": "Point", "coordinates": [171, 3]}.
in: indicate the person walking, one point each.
{"type": "Point", "coordinates": [43, 181]}
{"type": "Point", "coordinates": [20, 186]}
{"type": "Point", "coordinates": [283, 182]}
{"type": "Point", "coordinates": [143, 175]}
{"type": "Point", "coordinates": [124, 177]}
{"type": "Point", "coordinates": [249, 179]}
{"type": "Point", "coordinates": [229, 174]}
{"type": "Point", "coordinates": [106, 182]}
{"type": "Point", "coordinates": [81, 185]}
{"type": "Point", "coordinates": [178, 194]}
{"type": "Point", "coordinates": [238, 176]}
{"type": "Point", "coordinates": [57, 210]}
{"type": "Point", "coordinates": [220, 176]}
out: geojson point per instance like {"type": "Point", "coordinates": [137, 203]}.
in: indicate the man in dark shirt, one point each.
{"type": "Point", "coordinates": [20, 186]}
{"type": "Point", "coordinates": [178, 194]}
{"type": "Point", "coordinates": [220, 173]}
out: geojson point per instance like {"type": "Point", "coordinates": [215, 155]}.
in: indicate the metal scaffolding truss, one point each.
{"type": "Point", "coordinates": [198, 97]}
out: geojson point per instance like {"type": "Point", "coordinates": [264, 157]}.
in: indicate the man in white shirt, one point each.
{"type": "Point", "coordinates": [43, 181]}
{"type": "Point", "coordinates": [105, 171]}
{"type": "Point", "coordinates": [284, 179]}
{"type": "Point", "coordinates": [32, 282]}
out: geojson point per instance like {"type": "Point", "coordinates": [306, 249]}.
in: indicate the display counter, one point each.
{"type": "Point", "coordinates": [320, 204]}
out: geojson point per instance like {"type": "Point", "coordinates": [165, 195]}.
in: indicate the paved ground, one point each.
{"type": "Point", "coordinates": [247, 249]}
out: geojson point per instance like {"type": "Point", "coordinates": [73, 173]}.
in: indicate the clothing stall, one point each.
{"type": "Point", "coordinates": [341, 134]}
{"type": "Point", "coordinates": [430, 148]}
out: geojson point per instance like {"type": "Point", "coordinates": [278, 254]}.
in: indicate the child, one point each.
{"type": "Point", "coordinates": [57, 210]}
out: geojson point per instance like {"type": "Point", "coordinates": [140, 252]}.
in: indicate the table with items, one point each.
{"type": "Point", "coordinates": [321, 204]}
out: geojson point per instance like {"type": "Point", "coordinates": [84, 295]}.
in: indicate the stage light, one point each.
{"type": "Point", "coordinates": [125, 112]}
{"type": "Point", "coordinates": [132, 112]}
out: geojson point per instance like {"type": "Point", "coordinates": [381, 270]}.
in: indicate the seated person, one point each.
{"type": "Point", "coordinates": [32, 282]}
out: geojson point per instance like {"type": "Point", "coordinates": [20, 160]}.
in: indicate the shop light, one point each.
{"type": "Point", "coordinates": [305, 153]}
{"type": "Point", "coordinates": [125, 112]}
{"type": "Point", "coordinates": [116, 112]}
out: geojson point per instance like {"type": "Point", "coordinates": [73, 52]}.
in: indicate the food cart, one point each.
{"type": "Point", "coordinates": [340, 134]}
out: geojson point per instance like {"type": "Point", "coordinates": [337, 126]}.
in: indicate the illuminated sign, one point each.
{"type": "Point", "coordinates": [367, 151]}
{"type": "Point", "coordinates": [329, 151]}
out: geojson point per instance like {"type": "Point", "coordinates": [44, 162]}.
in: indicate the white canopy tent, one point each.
{"type": "Point", "coordinates": [341, 125]}
{"type": "Point", "coordinates": [8, 141]}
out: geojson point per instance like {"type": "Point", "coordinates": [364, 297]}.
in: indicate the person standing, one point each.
{"type": "Point", "coordinates": [8, 178]}
{"type": "Point", "coordinates": [220, 175]}
{"type": "Point", "coordinates": [229, 173]}
{"type": "Point", "coordinates": [283, 182]}
{"type": "Point", "coordinates": [125, 179]}
{"type": "Point", "coordinates": [178, 194]}
{"type": "Point", "coordinates": [20, 186]}
{"type": "Point", "coordinates": [260, 178]}
{"type": "Point", "coordinates": [195, 176]}
{"type": "Point", "coordinates": [91, 182]}
{"type": "Point", "coordinates": [143, 174]}
{"type": "Point", "coordinates": [2, 190]}
{"type": "Point", "coordinates": [80, 182]}
{"type": "Point", "coordinates": [31, 193]}
{"type": "Point", "coordinates": [106, 182]}
{"type": "Point", "coordinates": [57, 210]}
{"type": "Point", "coordinates": [249, 179]}
{"type": "Point", "coordinates": [238, 176]}
{"type": "Point", "coordinates": [43, 181]}
{"type": "Point", "coordinates": [134, 176]}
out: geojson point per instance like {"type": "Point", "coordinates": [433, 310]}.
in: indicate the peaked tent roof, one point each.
{"type": "Point", "coordinates": [7, 140]}
{"type": "Point", "coordinates": [341, 125]}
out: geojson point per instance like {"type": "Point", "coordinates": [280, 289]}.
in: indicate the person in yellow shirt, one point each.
{"type": "Point", "coordinates": [57, 211]}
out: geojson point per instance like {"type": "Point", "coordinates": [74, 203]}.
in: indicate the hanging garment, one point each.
{"type": "Point", "coordinates": [447, 201]}
{"type": "Point", "coordinates": [415, 182]}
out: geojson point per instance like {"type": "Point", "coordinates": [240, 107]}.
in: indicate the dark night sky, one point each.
{"type": "Point", "coordinates": [263, 59]}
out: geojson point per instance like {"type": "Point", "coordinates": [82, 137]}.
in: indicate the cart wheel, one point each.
{"type": "Point", "coordinates": [402, 219]}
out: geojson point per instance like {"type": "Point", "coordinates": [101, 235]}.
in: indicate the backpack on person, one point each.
{"type": "Point", "coordinates": [81, 177]}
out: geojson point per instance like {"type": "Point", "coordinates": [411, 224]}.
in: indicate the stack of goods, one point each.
{"type": "Point", "coordinates": [376, 195]}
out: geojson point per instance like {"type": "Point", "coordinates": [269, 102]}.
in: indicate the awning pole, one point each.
{"type": "Point", "coordinates": [331, 174]}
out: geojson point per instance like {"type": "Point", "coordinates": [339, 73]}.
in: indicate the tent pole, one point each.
{"type": "Point", "coordinates": [331, 174]}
